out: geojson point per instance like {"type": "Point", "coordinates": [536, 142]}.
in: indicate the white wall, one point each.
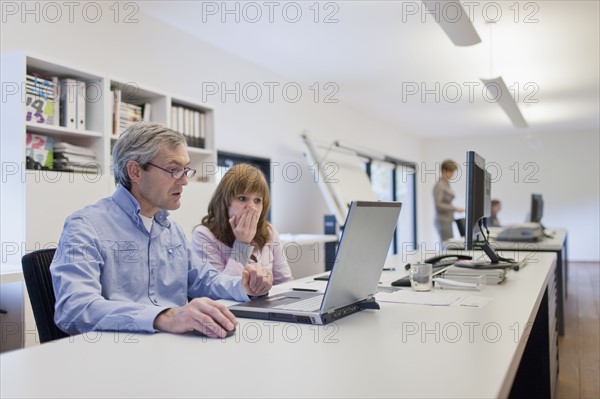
{"type": "Point", "coordinates": [156, 55]}
{"type": "Point", "coordinates": [153, 54]}
{"type": "Point", "coordinates": [563, 166]}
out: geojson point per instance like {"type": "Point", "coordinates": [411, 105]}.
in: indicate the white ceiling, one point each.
{"type": "Point", "coordinates": [376, 51]}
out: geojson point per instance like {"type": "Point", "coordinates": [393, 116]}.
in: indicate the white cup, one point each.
{"type": "Point", "coordinates": [420, 276]}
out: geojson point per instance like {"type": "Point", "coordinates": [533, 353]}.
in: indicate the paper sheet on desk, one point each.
{"type": "Point", "coordinates": [473, 301]}
{"type": "Point", "coordinates": [432, 299]}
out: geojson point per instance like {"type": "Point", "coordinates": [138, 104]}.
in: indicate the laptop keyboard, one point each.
{"type": "Point", "coordinates": [306, 305]}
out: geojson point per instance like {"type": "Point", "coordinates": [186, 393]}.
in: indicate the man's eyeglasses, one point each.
{"type": "Point", "coordinates": [177, 173]}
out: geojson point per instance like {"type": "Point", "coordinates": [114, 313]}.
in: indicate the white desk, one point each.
{"type": "Point", "coordinates": [307, 239]}
{"type": "Point", "coordinates": [557, 244]}
{"type": "Point", "coordinates": [12, 301]}
{"type": "Point", "coordinates": [305, 253]}
{"type": "Point", "coordinates": [398, 351]}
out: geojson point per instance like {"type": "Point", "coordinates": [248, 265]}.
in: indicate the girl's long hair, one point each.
{"type": "Point", "coordinates": [240, 179]}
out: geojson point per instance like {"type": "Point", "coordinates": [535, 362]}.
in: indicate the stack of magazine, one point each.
{"type": "Point", "coordinates": [126, 114]}
{"type": "Point", "coordinates": [41, 102]}
{"type": "Point", "coordinates": [39, 150]}
{"type": "Point", "coordinates": [73, 158]}
{"type": "Point", "coordinates": [492, 276]}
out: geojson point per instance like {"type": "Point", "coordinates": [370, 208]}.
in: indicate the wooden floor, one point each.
{"type": "Point", "coordinates": [579, 348]}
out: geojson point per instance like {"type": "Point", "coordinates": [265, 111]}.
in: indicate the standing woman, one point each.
{"type": "Point", "coordinates": [235, 232]}
{"type": "Point", "coordinates": [443, 196]}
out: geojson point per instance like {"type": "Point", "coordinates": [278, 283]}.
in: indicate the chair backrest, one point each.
{"type": "Point", "coordinates": [36, 271]}
{"type": "Point", "coordinates": [460, 224]}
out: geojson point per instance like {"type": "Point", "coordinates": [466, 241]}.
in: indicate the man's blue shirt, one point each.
{"type": "Point", "coordinates": [110, 273]}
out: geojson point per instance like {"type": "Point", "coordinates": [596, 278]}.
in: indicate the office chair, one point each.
{"type": "Point", "coordinates": [460, 224]}
{"type": "Point", "coordinates": [36, 271]}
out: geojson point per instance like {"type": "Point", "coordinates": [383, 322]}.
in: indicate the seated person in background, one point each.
{"type": "Point", "coordinates": [121, 265]}
{"type": "Point", "coordinates": [235, 232]}
{"type": "Point", "coordinates": [496, 207]}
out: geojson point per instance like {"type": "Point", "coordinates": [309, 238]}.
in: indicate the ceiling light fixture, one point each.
{"type": "Point", "coordinates": [454, 20]}
{"type": "Point", "coordinates": [499, 92]}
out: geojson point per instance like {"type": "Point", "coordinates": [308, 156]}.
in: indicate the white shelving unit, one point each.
{"type": "Point", "coordinates": [29, 221]}
{"type": "Point", "coordinates": [161, 103]}
{"type": "Point", "coordinates": [200, 157]}
{"type": "Point", "coordinates": [35, 203]}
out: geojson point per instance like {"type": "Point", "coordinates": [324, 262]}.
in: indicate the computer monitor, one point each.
{"type": "Point", "coordinates": [478, 198]}
{"type": "Point", "coordinates": [537, 208]}
{"type": "Point", "coordinates": [478, 209]}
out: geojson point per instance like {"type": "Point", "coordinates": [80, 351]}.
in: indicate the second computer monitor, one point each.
{"type": "Point", "coordinates": [537, 208]}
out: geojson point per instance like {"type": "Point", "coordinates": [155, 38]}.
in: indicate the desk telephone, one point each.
{"type": "Point", "coordinates": [438, 263]}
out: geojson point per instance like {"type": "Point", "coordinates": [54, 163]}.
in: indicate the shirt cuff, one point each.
{"type": "Point", "coordinates": [147, 315]}
{"type": "Point", "coordinates": [241, 294]}
{"type": "Point", "coordinates": [241, 252]}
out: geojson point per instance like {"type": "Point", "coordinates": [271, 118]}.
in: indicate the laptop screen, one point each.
{"type": "Point", "coordinates": [362, 252]}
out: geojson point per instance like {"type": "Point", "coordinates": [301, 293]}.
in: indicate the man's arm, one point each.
{"type": "Point", "coordinates": [206, 281]}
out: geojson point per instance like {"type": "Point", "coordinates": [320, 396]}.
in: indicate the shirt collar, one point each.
{"type": "Point", "coordinates": [127, 202]}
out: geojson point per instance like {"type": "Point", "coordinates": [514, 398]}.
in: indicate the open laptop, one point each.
{"type": "Point", "coordinates": [352, 285]}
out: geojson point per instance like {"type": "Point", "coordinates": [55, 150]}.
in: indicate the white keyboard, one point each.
{"type": "Point", "coordinates": [306, 305]}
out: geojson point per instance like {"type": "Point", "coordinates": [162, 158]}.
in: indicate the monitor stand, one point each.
{"type": "Point", "coordinates": [495, 261]}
